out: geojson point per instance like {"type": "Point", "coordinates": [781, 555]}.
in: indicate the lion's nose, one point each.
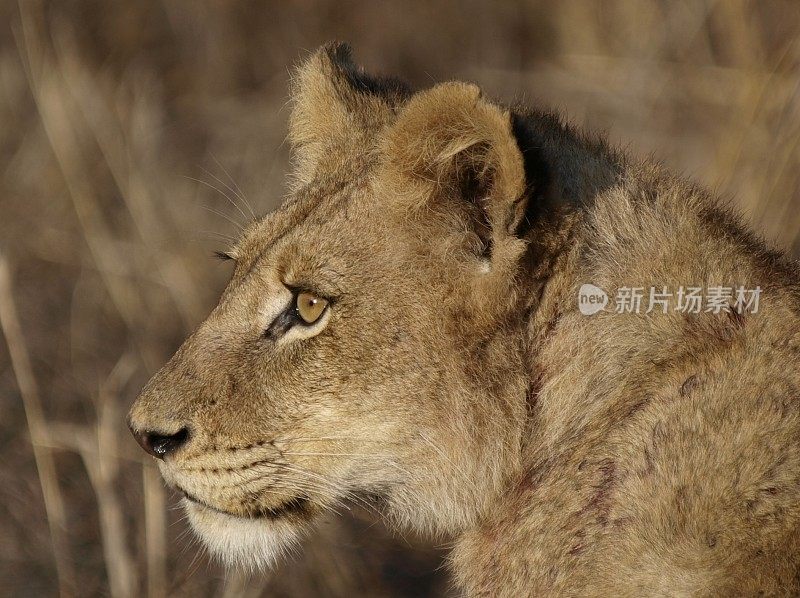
{"type": "Point", "coordinates": [160, 445]}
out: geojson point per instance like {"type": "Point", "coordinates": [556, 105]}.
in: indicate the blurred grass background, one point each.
{"type": "Point", "coordinates": [126, 128]}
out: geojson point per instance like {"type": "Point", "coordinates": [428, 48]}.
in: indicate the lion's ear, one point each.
{"type": "Point", "coordinates": [452, 147]}
{"type": "Point", "coordinates": [337, 108]}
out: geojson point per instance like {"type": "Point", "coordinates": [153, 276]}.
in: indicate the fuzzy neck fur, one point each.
{"type": "Point", "coordinates": [661, 452]}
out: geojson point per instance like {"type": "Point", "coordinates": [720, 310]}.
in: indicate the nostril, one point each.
{"type": "Point", "coordinates": [159, 445]}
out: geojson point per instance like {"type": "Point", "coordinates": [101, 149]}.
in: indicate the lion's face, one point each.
{"type": "Point", "coordinates": [364, 347]}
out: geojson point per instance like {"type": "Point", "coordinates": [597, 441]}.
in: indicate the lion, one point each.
{"type": "Point", "coordinates": [409, 331]}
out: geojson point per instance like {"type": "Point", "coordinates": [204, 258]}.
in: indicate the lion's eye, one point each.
{"type": "Point", "coordinates": [310, 307]}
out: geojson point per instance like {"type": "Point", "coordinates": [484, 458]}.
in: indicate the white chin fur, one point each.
{"type": "Point", "coordinates": [239, 542]}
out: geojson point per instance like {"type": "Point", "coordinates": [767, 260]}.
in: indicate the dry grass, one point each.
{"type": "Point", "coordinates": [120, 122]}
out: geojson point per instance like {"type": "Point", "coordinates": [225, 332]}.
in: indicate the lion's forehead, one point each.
{"type": "Point", "coordinates": [324, 244]}
{"type": "Point", "coordinates": [324, 211]}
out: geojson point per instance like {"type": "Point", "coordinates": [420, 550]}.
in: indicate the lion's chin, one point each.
{"type": "Point", "coordinates": [242, 542]}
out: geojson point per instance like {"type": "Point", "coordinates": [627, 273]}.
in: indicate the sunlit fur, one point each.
{"type": "Point", "coordinates": [245, 543]}
{"type": "Point", "coordinates": [453, 385]}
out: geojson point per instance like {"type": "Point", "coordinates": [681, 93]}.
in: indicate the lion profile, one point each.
{"type": "Point", "coordinates": [406, 330]}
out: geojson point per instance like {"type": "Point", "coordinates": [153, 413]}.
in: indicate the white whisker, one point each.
{"type": "Point", "coordinates": [228, 197]}
{"type": "Point", "coordinates": [238, 226]}
{"type": "Point", "coordinates": [389, 458]}
{"type": "Point", "coordinates": [237, 189]}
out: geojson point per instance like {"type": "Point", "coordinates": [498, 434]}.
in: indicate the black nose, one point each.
{"type": "Point", "coordinates": [159, 445]}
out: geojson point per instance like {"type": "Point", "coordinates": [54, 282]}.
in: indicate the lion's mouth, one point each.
{"type": "Point", "coordinates": [297, 505]}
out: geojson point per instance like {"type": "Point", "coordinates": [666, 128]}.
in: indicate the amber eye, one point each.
{"type": "Point", "coordinates": [310, 307]}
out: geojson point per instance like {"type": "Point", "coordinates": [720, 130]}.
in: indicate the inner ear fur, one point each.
{"type": "Point", "coordinates": [337, 108]}
{"type": "Point", "coordinates": [451, 146]}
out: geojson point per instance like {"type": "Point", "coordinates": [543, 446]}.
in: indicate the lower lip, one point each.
{"type": "Point", "coordinates": [295, 505]}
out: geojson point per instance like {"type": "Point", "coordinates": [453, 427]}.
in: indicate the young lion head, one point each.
{"type": "Point", "coordinates": [369, 343]}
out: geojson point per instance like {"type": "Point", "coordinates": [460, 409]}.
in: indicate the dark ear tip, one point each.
{"type": "Point", "coordinates": [341, 66]}
{"type": "Point", "coordinates": [340, 54]}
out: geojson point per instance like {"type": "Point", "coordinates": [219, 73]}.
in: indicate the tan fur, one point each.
{"type": "Point", "coordinates": [453, 378]}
